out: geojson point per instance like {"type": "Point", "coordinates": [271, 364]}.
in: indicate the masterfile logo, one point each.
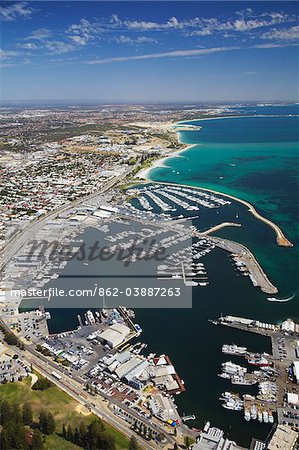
{"type": "Point", "coordinates": [56, 251]}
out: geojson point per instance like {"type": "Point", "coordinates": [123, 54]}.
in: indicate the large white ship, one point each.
{"type": "Point", "coordinates": [233, 369]}
{"type": "Point", "coordinates": [234, 350]}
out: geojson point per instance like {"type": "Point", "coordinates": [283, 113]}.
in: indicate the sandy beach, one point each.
{"type": "Point", "coordinates": [167, 154]}
{"type": "Point", "coordinates": [161, 162]}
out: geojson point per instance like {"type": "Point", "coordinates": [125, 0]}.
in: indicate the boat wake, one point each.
{"type": "Point", "coordinates": [281, 300]}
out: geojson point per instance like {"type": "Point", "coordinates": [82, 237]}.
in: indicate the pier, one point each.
{"type": "Point", "coordinates": [282, 357]}
{"type": "Point", "coordinates": [256, 273]}
{"type": "Point", "coordinates": [221, 225]}
{"type": "Point", "coordinates": [189, 417]}
{"type": "Point", "coordinates": [280, 237]}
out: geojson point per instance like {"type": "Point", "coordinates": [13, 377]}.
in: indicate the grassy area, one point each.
{"type": "Point", "coordinates": [55, 442]}
{"type": "Point", "coordinates": [63, 407]}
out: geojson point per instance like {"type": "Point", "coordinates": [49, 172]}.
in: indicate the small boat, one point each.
{"type": "Point", "coordinates": [247, 415]}
{"type": "Point", "coordinates": [265, 416]}
{"type": "Point", "coordinates": [253, 412]}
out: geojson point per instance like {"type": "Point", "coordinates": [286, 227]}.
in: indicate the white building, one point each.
{"type": "Point", "coordinates": [114, 335]}
{"type": "Point", "coordinates": [296, 370]}
{"type": "Point", "coordinates": [212, 438]}
{"type": "Point", "coordinates": [292, 399]}
{"type": "Point", "coordinates": [162, 407]}
{"type": "Point", "coordinates": [288, 326]}
{"type": "Point", "coordinates": [284, 438]}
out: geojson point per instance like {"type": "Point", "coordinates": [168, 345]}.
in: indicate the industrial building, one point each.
{"type": "Point", "coordinates": [284, 438]}
{"type": "Point", "coordinates": [162, 407]}
{"type": "Point", "coordinates": [292, 398]}
{"type": "Point", "coordinates": [212, 438]}
{"type": "Point", "coordinates": [288, 326]}
{"type": "Point", "coordinates": [114, 335]}
{"type": "Point", "coordinates": [296, 371]}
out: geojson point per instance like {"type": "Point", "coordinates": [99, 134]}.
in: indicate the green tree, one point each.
{"type": "Point", "coordinates": [10, 338]}
{"type": "Point", "coordinates": [42, 420]}
{"type": "Point", "coordinates": [133, 445]}
{"type": "Point", "coordinates": [27, 415]}
{"type": "Point", "coordinates": [16, 415]}
{"type": "Point", "coordinates": [150, 434]}
{"type": "Point", "coordinates": [37, 441]}
{"type": "Point", "coordinates": [64, 435]}
{"type": "Point", "coordinates": [106, 442]}
{"type": "Point", "coordinates": [4, 439]}
{"type": "Point", "coordinates": [51, 425]}
{"type": "Point", "coordinates": [82, 434]}
{"type": "Point", "coordinates": [5, 412]}
{"type": "Point", "coordinates": [41, 384]}
{"type": "Point", "coordinates": [160, 437]}
{"type": "Point", "coordinates": [76, 438]}
{"type": "Point", "coordinates": [187, 441]}
{"type": "Point", "coordinates": [18, 436]}
{"type": "Point", "coordinates": [69, 433]}
{"type": "Point", "coordinates": [46, 422]}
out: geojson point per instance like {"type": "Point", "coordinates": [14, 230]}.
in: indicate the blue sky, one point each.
{"type": "Point", "coordinates": [149, 51]}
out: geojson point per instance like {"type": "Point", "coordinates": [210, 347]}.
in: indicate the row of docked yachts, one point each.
{"type": "Point", "coordinates": [252, 411]}
{"type": "Point", "coordinates": [255, 407]}
{"type": "Point", "coordinates": [187, 198]}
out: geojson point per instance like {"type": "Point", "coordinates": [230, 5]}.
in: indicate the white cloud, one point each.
{"type": "Point", "coordinates": [141, 25]}
{"type": "Point", "coordinates": [115, 19]}
{"type": "Point", "coordinates": [247, 25]}
{"type": "Point", "coordinates": [78, 40]}
{"type": "Point", "coordinates": [12, 12]}
{"type": "Point", "coordinates": [84, 31]}
{"type": "Point", "coordinates": [275, 45]}
{"type": "Point", "coordinates": [172, 23]}
{"type": "Point", "coordinates": [286, 34]}
{"type": "Point", "coordinates": [27, 46]}
{"type": "Point", "coordinates": [245, 22]}
{"type": "Point", "coordinates": [206, 31]}
{"type": "Point", "coordinates": [4, 54]}
{"type": "Point", "coordinates": [39, 35]}
{"type": "Point", "coordinates": [139, 40]}
{"type": "Point", "coordinates": [173, 53]}
{"type": "Point", "coordinates": [58, 47]}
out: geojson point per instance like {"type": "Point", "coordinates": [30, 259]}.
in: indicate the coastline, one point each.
{"type": "Point", "coordinates": [182, 122]}
{"type": "Point", "coordinates": [144, 174]}
{"type": "Point", "coordinates": [170, 127]}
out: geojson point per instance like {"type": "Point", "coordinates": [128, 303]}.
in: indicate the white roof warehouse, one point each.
{"type": "Point", "coordinates": [114, 335]}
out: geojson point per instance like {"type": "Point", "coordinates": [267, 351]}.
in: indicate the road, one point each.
{"type": "Point", "coordinates": [74, 386]}
{"type": "Point", "coordinates": [19, 239]}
